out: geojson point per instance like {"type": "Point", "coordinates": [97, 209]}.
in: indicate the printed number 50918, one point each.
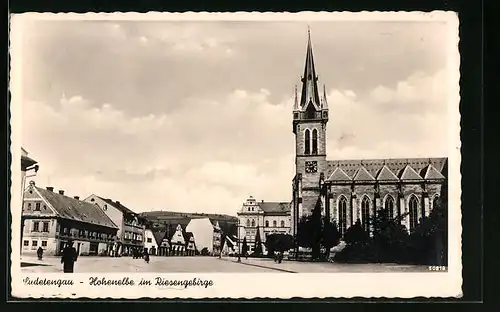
{"type": "Point", "coordinates": [436, 268]}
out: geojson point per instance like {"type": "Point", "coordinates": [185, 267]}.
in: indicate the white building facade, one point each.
{"type": "Point", "coordinates": [265, 217]}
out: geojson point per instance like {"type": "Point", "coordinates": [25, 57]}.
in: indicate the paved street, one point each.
{"type": "Point", "coordinates": [128, 264]}
{"type": "Point", "coordinates": [205, 264]}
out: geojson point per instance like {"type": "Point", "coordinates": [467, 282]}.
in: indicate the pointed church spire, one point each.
{"type": "Point", "coordinates": [309, 80]}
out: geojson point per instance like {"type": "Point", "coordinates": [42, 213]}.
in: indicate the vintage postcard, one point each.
{"type": "Point", "coordinates": [235, 155]}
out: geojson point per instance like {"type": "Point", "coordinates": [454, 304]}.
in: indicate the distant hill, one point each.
{"type": "Point", "coordinates": [170, 219]}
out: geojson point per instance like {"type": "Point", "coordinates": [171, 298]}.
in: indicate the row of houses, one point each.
{"type": "Point", "coordinates": [101, 226]}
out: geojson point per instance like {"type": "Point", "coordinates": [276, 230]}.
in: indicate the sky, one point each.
{"type": "Point", "coordinates": [197, 116]}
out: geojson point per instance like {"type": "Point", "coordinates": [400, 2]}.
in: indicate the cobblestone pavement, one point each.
{"type": "Point", "coordinates": [206, 265]}
{"type": "Point", "coordinates": [86, 264]}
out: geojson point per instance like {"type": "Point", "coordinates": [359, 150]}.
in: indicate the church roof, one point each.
{"type": "Point", "coordinates": [339, 175]}
{"type": "Point", "coordinates": [430, 173]}
{"type": "Point", "coordinates": [74, 209]}
{"type": "Point", "coordinates": [278, 208]}
{"type": "Point", "coordinates": [408, 174]}
{"type": "Point", "coordinates": [375, 167]}
{"type": "Point", "coordinates": [363, 175]}
{"type": "Point", "coordinates": [385, 174]}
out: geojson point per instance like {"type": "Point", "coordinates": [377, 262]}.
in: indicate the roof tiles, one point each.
{"type": "Point", "coordinates": [74, 209]}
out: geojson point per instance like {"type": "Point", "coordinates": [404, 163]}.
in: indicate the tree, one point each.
{"type": "Point", "coordinates": [278, 242]}
{"type": "Point", "coordinates": [244, 248]}
{"type": "Point", "coordinates": [317, 232]}
{"type": "Point", "coordinates": [358, 245]}
{"type": "Point", "coordinates": [305, 232]}
{"type": "Point", "coordinates": [330, 235]}
{"type": "Point", "coordinates": [429, 240]}
{"type": "Point", "coordinates": [222, 241]}
{"type": "Point", "coordinates": [257, 250]}
{"type": "Point", "coordinates": [390, 238]}
{"type": "Point", "coordinates": [313, 231]}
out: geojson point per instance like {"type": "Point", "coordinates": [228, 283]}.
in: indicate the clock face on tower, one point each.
{"type": "Point", "coordinates": [311, 166]}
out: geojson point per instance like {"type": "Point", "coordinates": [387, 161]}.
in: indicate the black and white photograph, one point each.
{"type": "Point", "coordinates": [268, 146]}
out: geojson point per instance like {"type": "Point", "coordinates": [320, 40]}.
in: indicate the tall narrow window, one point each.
{"type": "Point", "coordinates": [267, 223]}
{"type": "Point", "coordinates": [248, 222]}
{"type": "Point", "coordinates": [307, 142]}
{"type": "Point", "coordinates": [342, 215]}
{"type": "Point", "coordinates": [365, 213]}
{"type": "Point", "coordinates": [389, 207]}
{"type": "Point", "coordinates": [435, 202]}
{"type": "Point", "coordinates": [413, 209]}
{"type": "Point", "coordinates": [315, 142]}
{"type": "Point", "coordinates": [275, 224]}
{"type": "Point", "coordinates": [282, 223]}
{"type": "Point", "coordinates": [253, 222]}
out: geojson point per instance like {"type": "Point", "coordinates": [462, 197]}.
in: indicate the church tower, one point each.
{"type": "Point", "coordinates": [310, 116]}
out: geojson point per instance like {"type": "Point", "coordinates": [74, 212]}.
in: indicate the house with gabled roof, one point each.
{"type": "Point", "coordinates": [131, 225]}
{"type": "Point", "coordinates": [51, 219]}
{"type": "Point", "coordinates": [151, 243]}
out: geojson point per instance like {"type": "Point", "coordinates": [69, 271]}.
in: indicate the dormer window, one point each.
{"type": "Point", "coordinates": [105, 207]}
{"type": "Point", "coordinates": [92, 200]}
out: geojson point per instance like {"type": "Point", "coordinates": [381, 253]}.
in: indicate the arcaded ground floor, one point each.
{"type": "Point", "coordinates": [31, 264]}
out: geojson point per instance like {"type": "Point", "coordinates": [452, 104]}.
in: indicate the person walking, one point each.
{"type": "Point", "coordinates": [146, 256]}
{"type": "Point", "coordinates": [39, 253]}
{"type": "Point", "coordinates": [69, 257]}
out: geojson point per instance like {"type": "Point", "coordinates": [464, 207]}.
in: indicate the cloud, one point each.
{"type": "Point", "coordinates": [407, 121]}
{"type": "Point", "coordinates": [197, 116]}
{"type": "Point", "coordinates": [205, 146]}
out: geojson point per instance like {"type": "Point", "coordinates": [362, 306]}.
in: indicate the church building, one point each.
{"type": "Point", "coordinates": [351, 190]}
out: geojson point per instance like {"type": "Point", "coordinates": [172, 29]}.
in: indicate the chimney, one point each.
{"type": "Point", "coordinates": [262, 201]}
{"type": "Point", "coordinates": [61, 192]}
{"type": "Point", "coordinates": [118, 203]}
{"type": "Point", "coordinates": [77, 197]}
{"type": "Point", "coordinates": [50, 188]}
{"type": "Point", "coordinates": [32, 183]}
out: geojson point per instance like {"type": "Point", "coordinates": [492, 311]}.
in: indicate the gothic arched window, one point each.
{"type": "Point", "coordinates": [389, 207]}
{"type": "Point", "coordinates": [267, 223]}
{"type": "Point", "coordinates": [315, 142]}
{"type": "Point", "coordinates": [307, 142]}
{"type": "Point", "coordinates": [365, 213]}
{"type": "Point", "coordinates": [253, 222]}
{"type": "Point", "coordinates": [342, 215]}
{"type": "Point", "coordinates": [435, 202]}
{"type": "Point", "coordinates": [413, 209]}
{"type": "Point", "coordinates": [282, 223]}
{"type": "Point", "coordinates": [248, 222]}
{"type": "Point", "coordinates": [275, 224]}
